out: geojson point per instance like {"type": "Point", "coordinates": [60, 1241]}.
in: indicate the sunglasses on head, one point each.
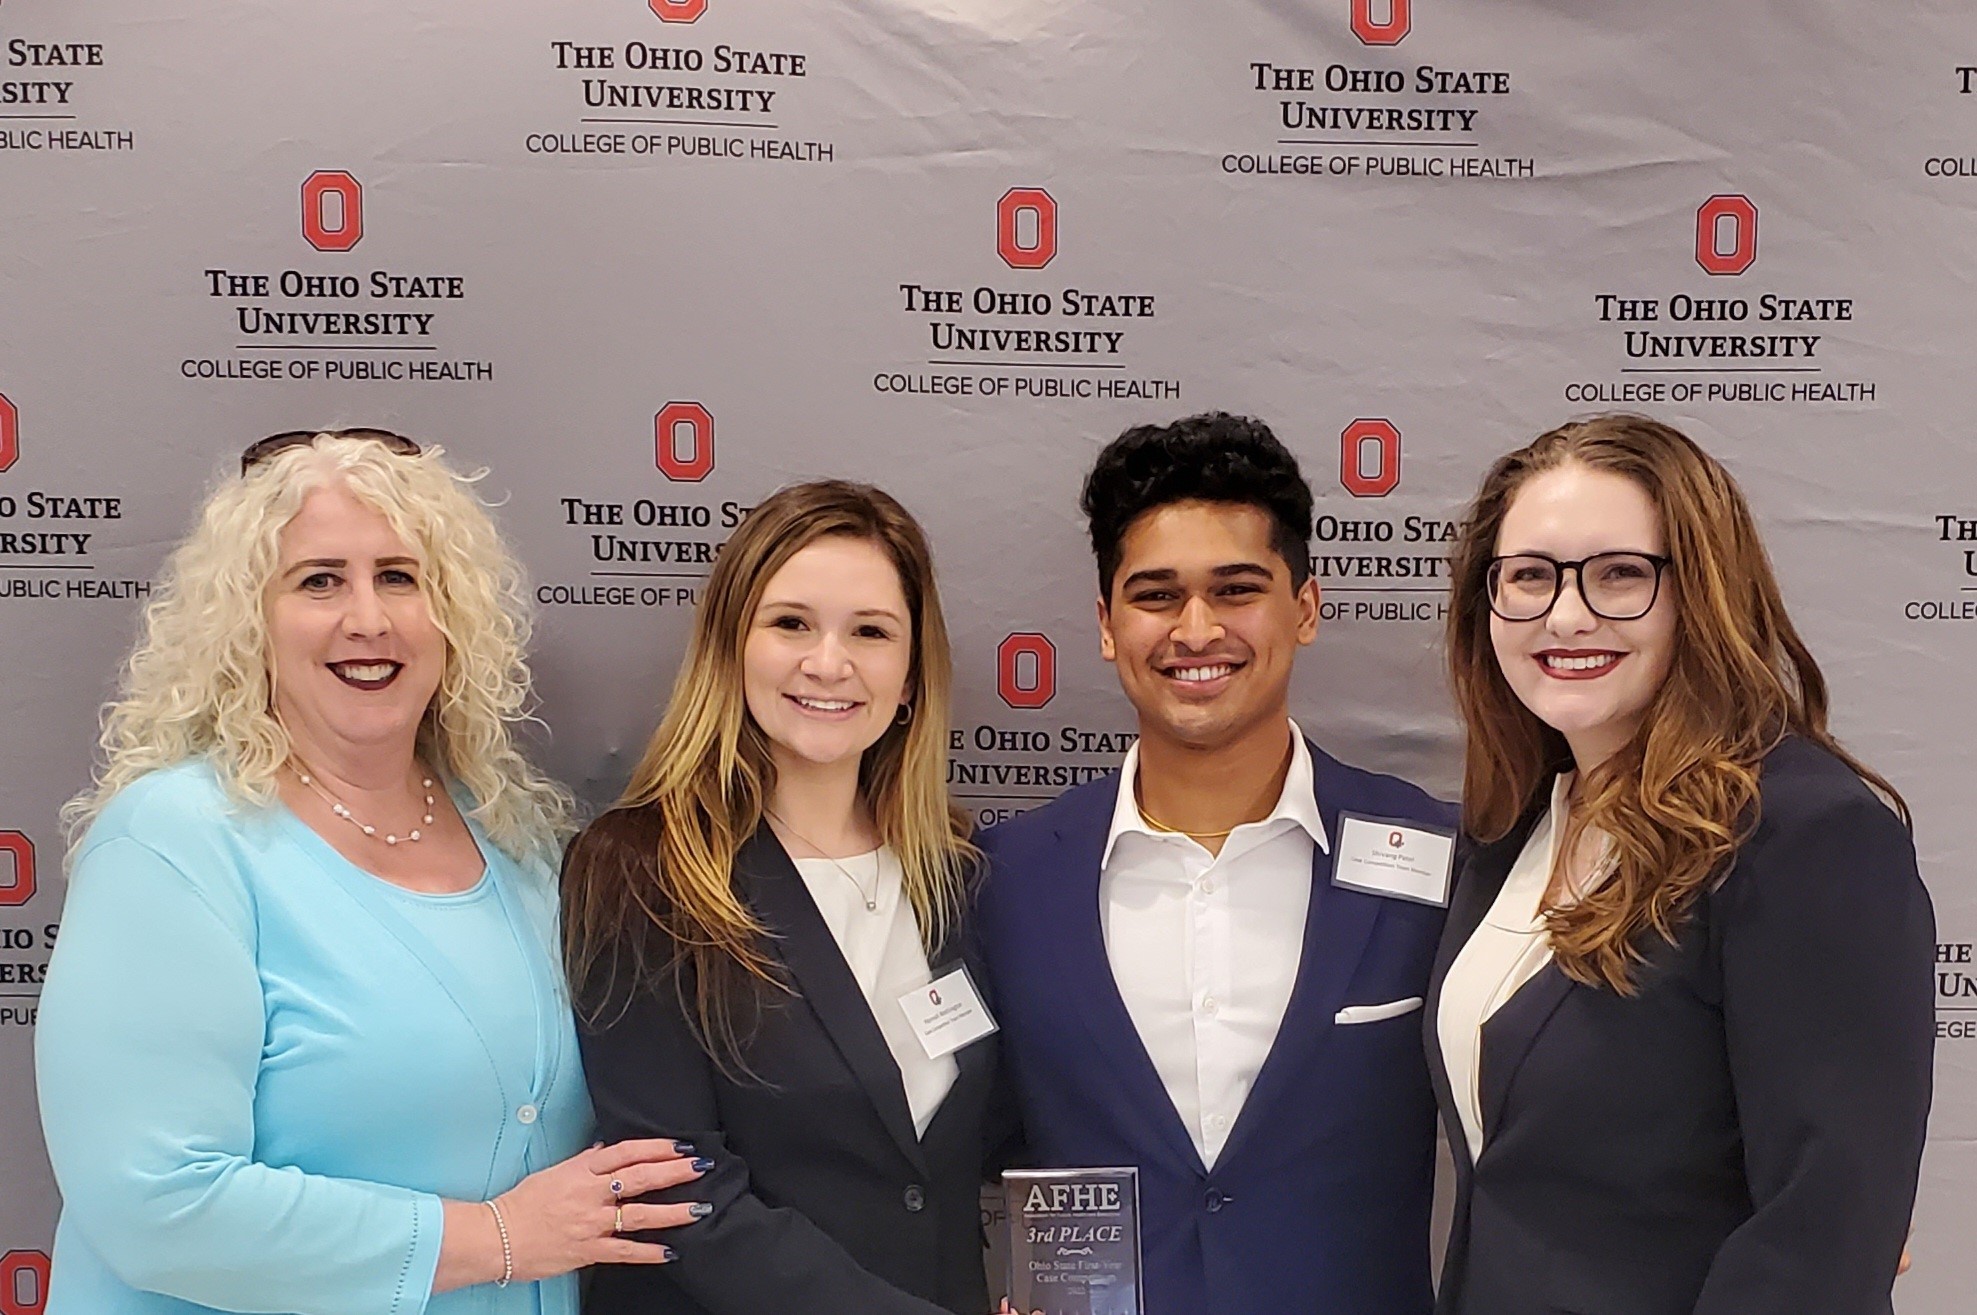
{"type": "Point", "coordinates": [262, 449]}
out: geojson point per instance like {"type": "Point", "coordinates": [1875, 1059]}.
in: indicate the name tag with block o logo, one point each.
{"type": "Point", "coordinates": [1400, 860]}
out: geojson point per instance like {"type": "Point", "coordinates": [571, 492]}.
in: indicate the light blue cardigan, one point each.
{"type": "Point", "coordinates": [258, 1079]}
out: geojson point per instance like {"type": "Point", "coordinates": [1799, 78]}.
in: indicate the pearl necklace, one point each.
{"type": "Point", "coordinates": [338, 807]}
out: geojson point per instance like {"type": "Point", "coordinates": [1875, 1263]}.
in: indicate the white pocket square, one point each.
{"type": "Point", "coordinates": [1377, 1013]}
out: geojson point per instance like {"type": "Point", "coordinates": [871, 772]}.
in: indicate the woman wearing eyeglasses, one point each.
{"type": "Point", "coordinates": [1681, 1022]}
{"type": "Point", "coordinates": [305, 1046]}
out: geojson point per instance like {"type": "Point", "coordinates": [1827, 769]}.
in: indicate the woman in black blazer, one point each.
{"type": "Point", "coordinates": [786, 866]}
{"type": "Point", "coordinates": [1682, 1018]}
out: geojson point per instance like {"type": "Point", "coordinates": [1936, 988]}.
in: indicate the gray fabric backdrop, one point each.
{"type": "Point", "coordinates": [647, 261]}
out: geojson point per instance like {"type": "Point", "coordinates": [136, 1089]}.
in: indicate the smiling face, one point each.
{"type": "Point", "coordinates": [354, 654]}
{"type": "Point", "coordinates": [829, 653]}
{"type": "Point", "coordinates": [1586, 677]}
{"type": "Point", "coordinates": [1203, 623]}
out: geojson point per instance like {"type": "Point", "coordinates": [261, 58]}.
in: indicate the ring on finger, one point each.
{"type": "Point", "coordinates": [617, 1219]}
{"type": "Point", "coordinates": [617, 1188]}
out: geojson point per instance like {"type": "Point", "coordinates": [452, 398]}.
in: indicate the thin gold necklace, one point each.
{"type": "Point", "coordinates": [871, 900]}
{"type": "Point", "coordinates": [1159, 825]}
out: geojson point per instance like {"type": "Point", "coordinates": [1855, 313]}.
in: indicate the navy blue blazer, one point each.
{"type": "Point", "coordinates": [1742, 1136]}
{"type": "Point", "coordinates": [1319, 1201]}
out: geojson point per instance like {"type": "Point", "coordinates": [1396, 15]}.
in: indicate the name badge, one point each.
{"type": "Point", "coordinates": [946, 1014]}
{"type": "Point", "coordinates": [1400, 860]}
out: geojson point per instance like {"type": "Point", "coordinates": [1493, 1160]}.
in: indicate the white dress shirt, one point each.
{"type": "Point", "coordinates": [1205, 947]}
{"type": "Point", "coordinates": [882, 947]}
{"type": "Point", "coordinates": [1508, 948]}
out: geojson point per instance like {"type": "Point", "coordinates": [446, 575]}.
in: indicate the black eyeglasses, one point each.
{"type": "Point", "coordinates": [1615, 586]}
{"type": "Point", "coordinates": [261, 449]}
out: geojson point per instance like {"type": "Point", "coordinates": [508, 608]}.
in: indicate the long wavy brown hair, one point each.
{"type": "Point", "coordinates": [1680, 797]}
{"type": "Point", "coordinates": [661, 860]}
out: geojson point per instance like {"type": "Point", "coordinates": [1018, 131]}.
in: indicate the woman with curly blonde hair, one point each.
{"type": "Point", "coordinates": [1681, 1023]}
{"type": "Point", "coordinates": [304, 1045]}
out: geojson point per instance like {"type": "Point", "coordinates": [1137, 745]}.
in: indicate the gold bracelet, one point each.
{"type": "Point", "coordinates": [507, 1252]}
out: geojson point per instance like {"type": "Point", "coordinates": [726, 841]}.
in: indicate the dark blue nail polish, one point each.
{"type": "Point", "coordinates": [702, 1165]}
{"type": "Point", "coordinates": [683, 1148]}
{"type": "Point", "coordinates": [700, 1209]}
{"type": "Point", "coordinates": [667, 1253]}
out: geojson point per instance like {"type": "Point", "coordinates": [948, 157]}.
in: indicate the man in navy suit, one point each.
{"type": "Point", "coordinates": [1182, 981]}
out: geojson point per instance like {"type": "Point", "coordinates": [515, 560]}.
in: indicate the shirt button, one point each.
{"type": "Point", "coordinates": [526, 1114]}
{"type": "Point", "coordinates": [1207, 886]}
{"type": "Point", "coordinates": [1217, 1121]}
{"type": "Point", "coordinates": [1211, 1006]}
{"type": "Point", "coordinates": [915, 1198]}
{"type": "Point", "coordinates": [1214, 1200]}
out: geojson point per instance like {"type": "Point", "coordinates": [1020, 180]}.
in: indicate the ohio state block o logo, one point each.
{"type": "Point", "coordinates": [1379, 441]}
{"type": "Point", "coordinates": [23, 1282]}
{"type": "Point", "coordinates": [1010, 220]}
{"type": "Point", "coordinates": [678, 11]}
{"type": "Point", "coordinates": [10, 433]}
{"type": "Point", "coordinates": [1026, 670]}
{"type": "Point", "coordinates": [683, 438]}
{"type": "Point", "coordinates": [21, 889]}
{"type": "Point", "coordinates": [1374, 32]}
{"type": "Point", "coordinates": [332, 210]}
{"type": "Point", "coordinates": [1710, 228]}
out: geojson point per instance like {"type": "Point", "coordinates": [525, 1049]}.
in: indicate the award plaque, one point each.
{"type": "Point", "coordinates": [1074, 1241]}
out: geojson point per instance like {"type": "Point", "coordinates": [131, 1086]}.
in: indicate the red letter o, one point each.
{"type": "Point", "coordinates": [349, 229]}
{"type": "Point", "coordinates": [1709, 220]}
{"type": "Point", "coordinates": [21, 889]}
{"type": "Point", "coordinates": [1041, 688]}
{"type": "Point", "coordinates": [1008, 212]}
{"type": "Point", "coordinates": [1399, 18]}
{"type": "Point", "coordinates": [13, 1266]}
{"type": "Point", "coordinates": [678, 11]}
{"type": "Point", "coordinates": [699, 424]}
{"type": "Point", "coordinates": [1352, 458]}
{"type": "Point", "coordinates": [10, 433]}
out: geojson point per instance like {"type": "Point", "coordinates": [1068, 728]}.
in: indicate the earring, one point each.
{"type": "Point", "coordinates": [905, 715]}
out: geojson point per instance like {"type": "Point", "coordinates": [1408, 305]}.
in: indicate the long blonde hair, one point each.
{"type": "Point", "coordinates": [1679, 798]}
{"type": "Point", "coordinates": [197, 684]}
{"type": "Point", "coordinates": [698, 793]}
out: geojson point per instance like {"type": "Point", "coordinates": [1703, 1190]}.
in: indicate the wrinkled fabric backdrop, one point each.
{"type": "Point", "coordinates": [646, 260]}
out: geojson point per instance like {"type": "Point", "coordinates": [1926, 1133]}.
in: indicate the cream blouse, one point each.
{"type": "Point", "coordinates": [1507, 950]}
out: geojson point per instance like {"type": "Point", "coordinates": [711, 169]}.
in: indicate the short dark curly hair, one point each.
{"type": "Point", "coordinates": [1213, 457]}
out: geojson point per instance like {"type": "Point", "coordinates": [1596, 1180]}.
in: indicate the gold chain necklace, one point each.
{"type": "Point", "coordinates": [1159, 825]}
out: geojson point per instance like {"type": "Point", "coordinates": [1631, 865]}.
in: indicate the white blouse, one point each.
{"type": "Point", "coordinates": [882, 947]}
{"type": "Point", "coordinates": [1507, 950]}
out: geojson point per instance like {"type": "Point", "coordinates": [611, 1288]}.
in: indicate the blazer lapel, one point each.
{"type": "Point", "coordinates": [824, 979]}
{"type": "Point", "coordinates": [1072, 937]}
{"type": "Point", "coordinates": [974, 1062]}
{"type": "Point", "coordinates": [1510, 1033]}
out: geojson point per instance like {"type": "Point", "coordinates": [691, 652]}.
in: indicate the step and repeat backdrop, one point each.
{"type": "Point", "coordinates": [646, 260]}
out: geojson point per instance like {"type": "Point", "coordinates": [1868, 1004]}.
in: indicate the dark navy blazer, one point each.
{"type": "Point", "coordinates": [1742, 1135]}
{"type": "Point", "coordinates": [1318, 1204]}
